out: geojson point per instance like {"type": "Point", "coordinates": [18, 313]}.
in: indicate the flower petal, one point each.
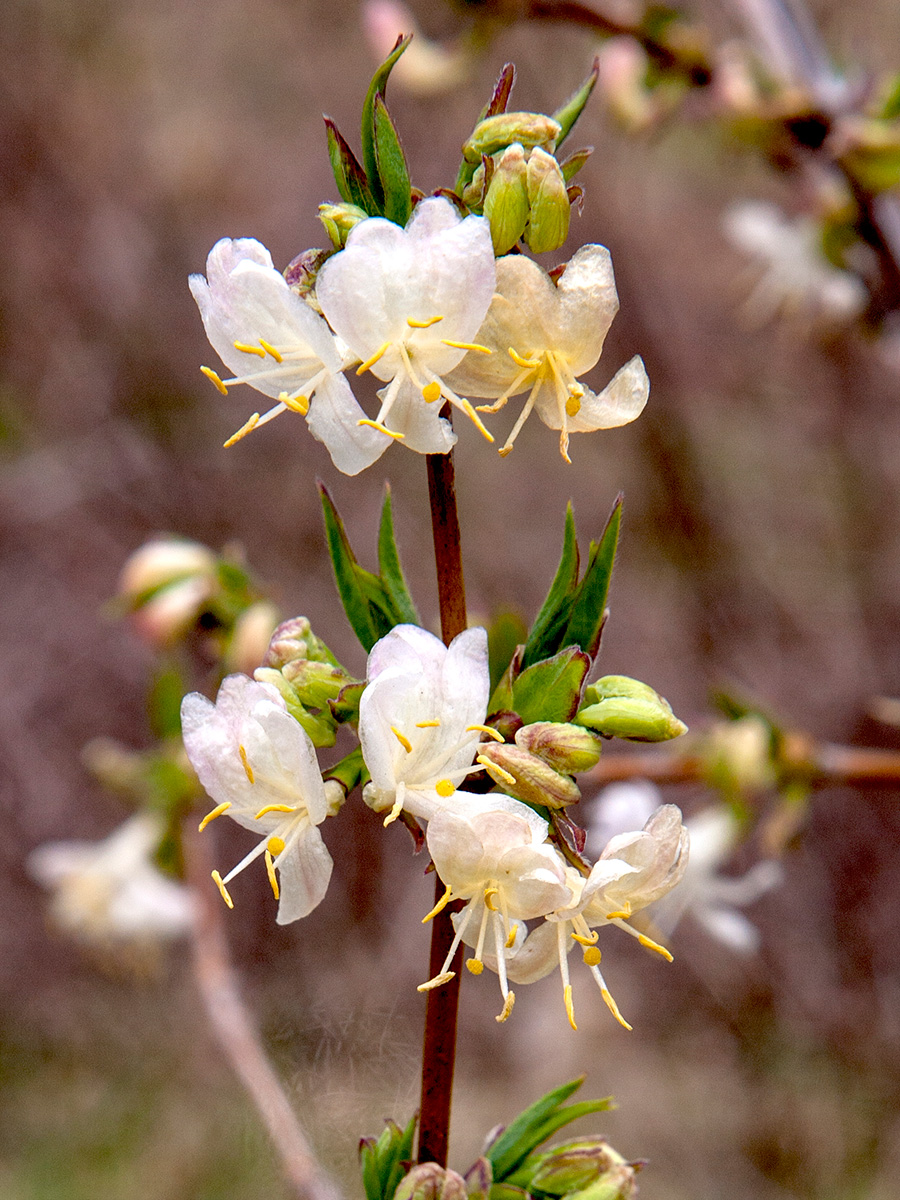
{"type": "Point", "coordinates": [304, 872]}
{"type": "Point", "coordinates": [334, 415]}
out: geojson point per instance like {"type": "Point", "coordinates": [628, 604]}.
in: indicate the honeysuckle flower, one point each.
{"type": "Point", "coordinates": [500, 862]}
{"type": "Point", "coordinates": [273, 340]}
{"type": "Point", "coordinates": [259, 766]}
{"type": "Point", "coordinates": [544, 336]}
{"type": "Point", "coordinates": [110, 893]}
{"type": "Point", "coordinates": [421, 717]}
{"type": "Point", "coordinates": [408, 303]}
{"type": "Point", "coordinates": [167, 582]}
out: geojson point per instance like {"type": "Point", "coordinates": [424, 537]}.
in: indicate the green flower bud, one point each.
{"type": "Point", "coordinates": [339, 219]}
{"type": "Point", "coordinates": [506, 202]}
{"type": "Point", "coordinates": [526, 777]}
{"type": "Point", "coordinates": [588, 1168]}
{"type": "Point", "coordinates": [496, 133]}
{"type": "Point", "coordinates": [320, 727]}
{"type": "Point", "coordinates": [428, 1181]}
{"type": "Point", "coordinates": [293, 640]}
{"type": "Point", "coordinates": [567, 748]}
{"type": "Point", "coordinates": [617, 706]}
{"type": "Point", "coordinates": [548, 199]}
{"type": "Point", "coordinates": [315, 683]}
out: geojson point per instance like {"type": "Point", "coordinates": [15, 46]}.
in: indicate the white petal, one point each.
{"type": "Point", "coordinates": [587, 304]}
{"type": "Point", "coordinates": [423, 429]}
{"type": "Point", "coordinates": [334, 415]}
{"type": "Point", "coordinates": [304, 872]}
{"type": "Point", "coordinates": [621, 401]}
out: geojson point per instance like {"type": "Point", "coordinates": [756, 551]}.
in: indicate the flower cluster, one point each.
{"type": "Point", "coordinates": [422, 733]}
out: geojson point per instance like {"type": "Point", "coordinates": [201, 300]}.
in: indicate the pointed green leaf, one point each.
{"type": "Point", "coordinates": [349, 176]}
{"type": "Point", "coordinates": [564, 1116]}
{"type": "Point", "coordinates": [391, 572]}
{"type": "Point", "coordinates": [393, 172]}
{"type": "Point", "coordinates": [369, 1167]}
{"type": "Point", "coordinates": [506, 633]}
{"type": "Point", "coordinates": [551, 620]}
{"type": "Point", "coordinates": [376, 88]}
{"type": "Point", "coordinates": [569, 113]}
{"type": "Point", "coordinates": [550, 690]}
{"type": "Point", "coordinates": [401, 1157]}
{"type": "Point", "coordinates": [349, 576]}
{"type": "Point", "coordinates": [586, 618]}
{"type": "Point", "coordinates": [502, 90]}
{"type": "Point", "coordinates": [575, 162]}
{"type": "Point", "coordinates": [518, 1139]}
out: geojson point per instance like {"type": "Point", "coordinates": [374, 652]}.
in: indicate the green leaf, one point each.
{"type": "Point", "coordinates": [575, 162]}
{"type": "Point", "coordinates": [349, 176]}
{"type": "Point", "coordinates": [569, 113]}
{"type": "Point", "coordinates": [551, 620]}
{"type": "Point", "coordinates": [565, 1116]}
{"type": "Point", "coordinates": [506, 633]}
{"type": "Point", "coordinates": [550, 690]}
{"type": "Point", "coordinates": [502, 90]}
{"type": "Point", "coordinates": [393, 173]}
{"type": "Point", "coordinates": [376, 88]}
{"type": "Point", "coordinates": [589, 606]}
{"type": "Point", "coordinates": [521, 1136]}
{"type": "Point", "coordinates": [389, 567]}
{"type": "Point", "coordinates": [349, 576]}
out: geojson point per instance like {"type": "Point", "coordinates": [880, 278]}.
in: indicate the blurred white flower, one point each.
{"type": "Point", "coordinates": [544, 336]}
{"type": "Point", "coordinates": [109, 894]}
{"type": "Point", "coordinates": [260, 767]}
{"type": "Point", "coordinates": [426, 68]}
{"type": "Point", "coordinates": [167, 582]}
{"type": "Point", "coordinates": [408, 303]}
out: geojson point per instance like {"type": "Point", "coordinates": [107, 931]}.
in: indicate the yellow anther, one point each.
{"type": "Point", "coordinates": [394, 813]}
{"type": "Point", "coordinates": [211, 816]}
{"type": "Point", "coordinates": [507, 1007]}
{"type": "Point", "coordinates": [620, 916]}
{"type": "Point", "coordinates": [651, 945]}
{"type": "Point", "coordinates": [370, 362]}
{"type": "Point", "coordinates": [438, 980]}
{"type": "Point", "coordinates": [428, 724]}
{"type": "Point", "coordinates": [475, 965]}
{"type": "Point", "coordinates": [573, 406]}
{"type": "Point", "coordinates": [467, 346]}
{"type": "Point", "coordinates": [592, 956]}
{"type": "Point", "coordinates": [575, 389]}
{"type": "Point", "coordinates": [496, 773]}
{"type": "Point", "coordinates": [614, 1009]}
{"type": "Point", "coordinates": [492, 733]}
{"type": "Point", "coordinates": [475, 419]}
{"type": "Point", "coordinates": [217, 880]}
{"type": "Point", "coordinates": [570, 1008]}
{"type": "Point", "coordinates": [489, 894]}
{"type": "Point", "coordinates": [445, 787]}
{"type": "Point", "coordinates": [527, 364]}
{"type": "Point", "coordinates": [246, 428]}
{"type": "Point", "coordinates": [589, 940]}
{"type": "Point", "coordinates": [270, 871]}
{"type": "Point", "coordinates": [245, 763]}
{"type": "Point", "coordinates": [297, 404]}
{"type": "Point", "coordinates": [267, 346]}
{"type": "Point", "coordinates": [414, 324]}
{"type": "Point", "coordinates": [245, 349]}
{"type": "Point", "coordinates": [504, 450]}
{"type": "Point", "coordinates": [431, 392]}
{"type": "Point", "coordinates": [391, 433]}
{"type": "Point", "coordinates": [274, 846]}
{"type": "Point", "coordinates": [441, 904]}
{"type": "Point", "coordinates": [402, 739]}
{"type": "Point", "coordinates": [510, 941]}
{"type": "Point", "coordinates": [273, 808]}
{"type": "Point", "coordinates": [211, 375]}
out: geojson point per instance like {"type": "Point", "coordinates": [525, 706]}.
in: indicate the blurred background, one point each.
{"type": "Point", "coordinates": [760, 552]}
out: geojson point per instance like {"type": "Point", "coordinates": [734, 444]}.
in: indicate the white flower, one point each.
{"type": "Point", "coordinates": [421, 717]}
{"type": "Point", "coordinates": [498, 861]}
{"type": "Point", "coordinates": [276, 343]}
{"type": "Point", "coordinates": [544, 336]}
{"type": "Point", "coordinates": [260, 767]}
{"type": "Point", "coordinates": [109, 893]}
{"type": "Point", "coordinates": [408, 303]}
{"type": "Point", "coordinates": [167, 582]}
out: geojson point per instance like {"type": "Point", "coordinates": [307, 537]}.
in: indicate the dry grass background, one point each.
{"type": "Point", "coordinates": [761, 547]}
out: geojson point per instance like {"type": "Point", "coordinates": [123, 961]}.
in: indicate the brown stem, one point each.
{"type": "Point", "coordinates": [442, 1004]}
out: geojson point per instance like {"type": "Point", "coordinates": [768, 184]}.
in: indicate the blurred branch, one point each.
{"type": "Point", "coordinates": [238, 1037]}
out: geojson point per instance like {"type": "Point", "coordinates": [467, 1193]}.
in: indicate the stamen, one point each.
{"type": "Point", "coordinates": [620, 916]}
{"type": "Point", "coordinates": [297, 404]}
{"type": "Point", "coordinates": [473, 416]}
{"type": "Point", "coordinates": [270, 871]}
{"type": "Point", "coordinates": [431, 392]}
{"type": "Point", "coordinates": [248, 427]}
{"type": "Point", "coordinates": [267, 346]}
{"type": "Point", "coordinates": [394, 813]}
{"type": "Point", "coordinates": [274, 846]}
{"type": "Point", "coordinates": [589, 940]}
{"type": "Point", "coordinates": [445, 787]}
{"type": "Point", "coordinates": [496, 773]}
{"type": "Point", "coordinates": [414, 324]}
{"type": "Point", "coordinates": [217, 880]}
{"type": "Point", "coordinates": [570, 1008]}
{"type": "Point", "coordinates": [614, 1009]}
{"type": "Point", "coordinates": [510, 941]}
{"type": "Point", "coordinates": [444, 977]}
{"type": "Point", "coordinates": [530, 363]}
{"type": "Point", "coordinates": [211, 816]}
{"type": "Point", "coordinates": [507, 1008]}
{"type": "Point", "coordinates": [245, 763]}
{"type": "Point", "coordinates": [441, 904]}
{"type": "Point", "coordinates": [651, 945]}
{"type": "Point", "coordinates": [245, 349]}
{"type": "Point", "coordinates": [475, 965]}
{"type": "Point", "coordinates": [489, 894]}
{"type": "Point", "coordinates": [214, 378]}
{"type": "Point", "coordinates": [428, 724]}
{"type": "Point", "coordinates": [402, 739]}
{"type": "Point", "coordinates": [573, 406]}
{"type": "Point", "coordinates": [467, 346]}
{"type": "Point", "coordinates": [370, 362]}
{"type": "Point", "coordinates": [381, 428]}
{"type": "Point", "coordinates": [592, 956]}
{"type": "Point", "coordinates": [274, 808]}
{"type": "Point", "coordinates": [492, 733]}
{"type": "Point", "coordinates": [522, 418]}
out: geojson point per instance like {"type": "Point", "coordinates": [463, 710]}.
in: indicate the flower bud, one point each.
{"type": "Point", "coordinates": [498, 132]}
{"type": "Point", "coordinates": [738, 755]}
{"type": "Point", "coordinates": [315, 682]}
{"type": "Point", "coordinates": [548, 199]}
{"type": "Point", "coordinates": [250, 640]}
{"type": "Point", "coordinates": [293, 640]}
{"type": "Point", "coordinates": [588, 1168]}
{"type": "Point", "coordinates": [163, 561]}
{"type": "Point", "coordinates": [339, 219]}
{"type": "Point", "coordinates": [506, 202]}
{"type": "Point", "coordinates": [566, 748]}
{"type": "Point", "coordinates": [526, 777]}
{"type": "Point", "coordinates": [320, 727]}
{"type": "Point", "coordinates": [428, 1181]}
{"type": "Point", "coordinates": [626, 708]}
